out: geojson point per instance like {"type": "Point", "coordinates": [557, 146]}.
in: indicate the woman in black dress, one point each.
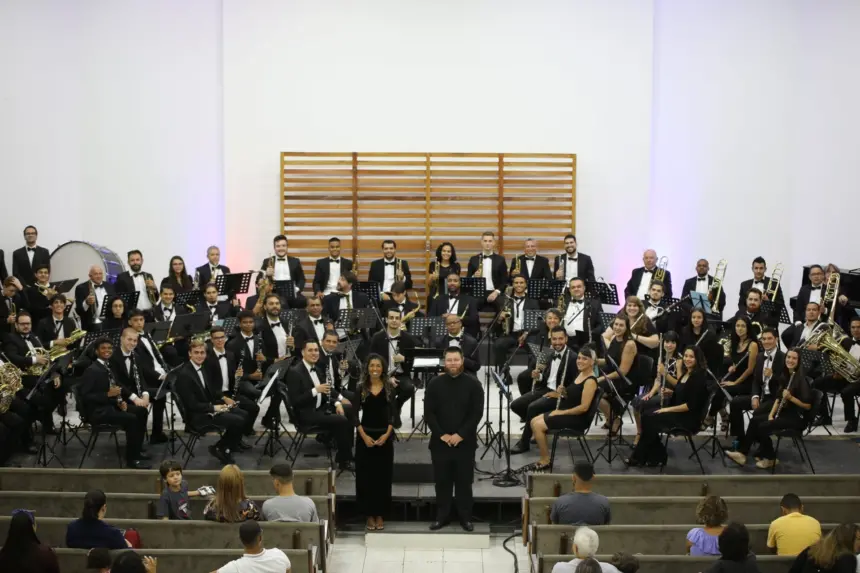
{"type": "Point", "coordinates": [684, 411]}
{"type": "Point", "coordinates": [116, 314]}
{"type": "Point", "coordinates": [650, 401]}
{"type": "Point", "coordinates": [620, 347]}
{"type": "Point", "coordinates": [374, 448]}
{"type": "Point", "coordinates": [572, 406]}
{"type": "Point", "coordinates": [740, 364]}
{"type": "Point", "coordinates": [699, 333]}
{"type": "Point", "coordinates": [444, 265]}
{"type": "Point", "coordinates": [177, 277]}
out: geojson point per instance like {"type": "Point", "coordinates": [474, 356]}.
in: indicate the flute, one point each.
{"type": "Point", "coordinates": [782, 401]}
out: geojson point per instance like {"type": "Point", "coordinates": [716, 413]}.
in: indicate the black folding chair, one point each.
{"type": "Point", "coordinates": [578, 434]}
{"type": "Point", "coordinates": [95, 429]}
{"type": "Point", "coordinates": [688, 435]}
{"type": "Point", "coordinates": [193, 432]}
{"type": "Point", "coordinates": [301, 433]}
{"type": "Point", "coordinates": [797, 435]}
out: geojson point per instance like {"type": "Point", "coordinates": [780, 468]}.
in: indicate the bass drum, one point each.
{"type": "Point", "coordinates": [73, 260]}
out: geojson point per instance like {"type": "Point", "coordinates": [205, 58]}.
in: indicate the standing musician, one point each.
{"type": "Point", "coordinates": [12, 303]}
{"type": "Point", "coordinates": [204, 404]}
{"type": "Point", "coordinates": [177, 276]}
{"type": "Point", "coordinates": [313, 325]}
{"type": "Point", "coordinates": [343, 374]}
{"type": "Point", "coordinates": [581, 315]}
{"type": "Point", "coordinates": [167, 310]}
{"type": "Point", "coordinates": [640, 278]}
{"type": "Point", "coordinates": [25, 259]}
{"type": "Point", "coordinates": [530, 264]}
{"type": "Point", "coordinates": [226, 372]}
{"type": "Point", "coordinates": [316, 403]}
{"type": "Point", "coordinates": [285, 268]}
{"type": "Point", "coordinates": [38, 295]}
{"type": "Point", "coordinates": [455, 302]}
{"type": "Point", "coordinates": [439, 269]}
{"type": "Point", "coordinates": [793, 398]}
{"type": "Point", "coordinates": [491, 267]}
{"type": "Point", "coordinates": [345, 297]}
{"type": "Point", "coordinates": [848, 390]}
{"type": "Point", "coordinates": [812, 292]}
{"type": "Point", "coordinates": [623, 350]}
{"type": "Point", "coordinates": [575, 264]}
{"type": "Point", "coordinates": [391, 343]}
{"type": "Point", "coordinates": [248, 349]}
{"type": "Point", "coordinates": [703, 283]}
{"type": "Point", "coordinates": [329, 269]}
{"type": "Point", "coordinates": [398, 300]}
{"type": "Point", "coordinates": [540, 336]}
{"type": "Point", "coordinates": [559, 371]}
{"type": "Point", "coordinates": [753, 311]}
{"type": "Point", "coordinates": [389, 268]}
{"type": "Point", "coordinates": [656, 309]}
{"type": "Point", "coordinates": [53, 330]}
{"type": "Point", "coordinates": [512, 321]}
{"type": "Point", "coordinates": [457, 336]}
{"type": "Point", "coordinates": [662, 389]}
{"type": "Point", "coordinates": [759, 282]}
{"type": "Point", "coordinates": [106, 402]}
{"type": "Point", "coordinates": [90, 297]}
{"type": "Point", "coordinates": [740, 363]}
{"type": "Point", "coordinates": [137, 280]}
{"type": "Point", "coordinates": [213, 308]}
{"type": "Point", "coordinates": [205, 274]}
{"type": "Point", "coordinates": [769, 367]}
{"type": "Point", "coordinates": [152, 369]}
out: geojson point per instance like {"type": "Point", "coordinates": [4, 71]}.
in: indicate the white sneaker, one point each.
{"type": "Point", "coordinates": [766, 464]}
{"type": "Point", "coordinates": [737, 457]}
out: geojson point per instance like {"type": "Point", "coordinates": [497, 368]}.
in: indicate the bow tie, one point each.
{"type": "Point", "coordinates": [97, 287]}
{"type": "Point", "coordinates": [391, 263]}
{"type": "Point", "coordinates": [394, 338]}
{"type": "Point", "coordinates": [213, 306]}
{"type": "Point", "coordinates": [127, 356]}
{"type": "Point", "coordinates": [556, 356]}
{"type": "Point", "coordinates": [815, 288]}
{"type": "Point", "coordinates": [25, 336]}
{"type": "Point", "coordinates": [31, 249]}
{"type": "Point", "coordinates": [280, 260]}
{"type": "Point", "coordinates": [167, 308]}
{"type": "Point", "coordinates": [135, 275]}
{"type": "Point", "coordinates": [700, 279]}
{"type": "Point", "coordinates": [857, 342]}
{"type": "Point", "coordinates": [222, 357]}
{"type": "Point", "coordinates": [334, 260]}
{"type": "Point", "coordinates": [319, 321]}
{"type": "Point", "coordinates": [574, 259]}
{"type": "Point", "coordinates": [58, 322]}
{"type": "Point", "coordinates": [529, 258]}
{"type": "Point", "coordinates": [749, 316]}
{"type": "Point", "coordinates": [576, 300]}
{"type": "Point", "coordinates": [275, 325]}
{"type": "Point", "coordinates": [519, 298]}
{"type": "Point", "coordinates": [459, 337]}
{"type": "Point", "coordinates": [487, 256]}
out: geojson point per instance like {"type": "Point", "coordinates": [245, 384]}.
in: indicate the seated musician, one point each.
{"type": "Point", "coordinates": [18, 420]}
{"type": "Point", "coordinates": [285, 268]}
{"type": "Point", "coordinates": [656, 309]}
{"type": "Point", "coordinates": [389, 343]}
{"type": "Point", "coordinates": [667, 371]}
{"type": "Point", "coordinates": [455, 302]}
{"type": "Point", "coordinates": [619, 346]}
{"type": "Point", "coordinates": [740, 367]}
{"type": "Point", "coordinates": [39, 294]}
{"type": "Point", "coordinates": [313, 325]}
{"type": "Point", "coordinates": [560, 370]}
{"type": "Point", "coordinates": [204, 404]}
{"type": "Point", "coordinates": [699, 333]}
{"type": "Point", "coordinates": [167, 310]}
{"type": "Point", "coordinates": [398, 300]}
{"type": "Point", "coordinates": [759, 282]}
{"type": "Point", "coordinates": [216, 310]}
{"type": "Point", "coordinates": [248, 349]}
{"type": "Point", "coordinates": [793, 398]}
{"type": "Point", "coordinates": [582, 319]}
{"type": "Point", "coordinates": [127, 373]}
{"type": "Point", "coordinates": [703, 283]}
{"type": "Point", "coordinates": [53, 330]}
{"type": "Point", "coordinates": [329, 269]}
{"type": "Point", "coordinates": [456, 335]}
{"type": "Point", "coordinates": [316, 403]}
{"type": "Point", "coordinates": [223, 368]}
{"type": "Point", "coordinates": [152, 366]}
{"type": "Point", "coordinates": [641, 278]}
{"type": "Point", "coordinates": [20, 349]}
{"type": "Point", "coordinates": [343, 374]}
{"type": "Point", "coordinates": [811, 292]}
{"type": "Point", "coordinates": [512, 321]}
{"type": "Point", "coordinates": [491, 267]}
{"type": "Point", "coordinates": [106, 402]}
{"type": "Point", "coordinates": [437, 273]}
{"type": "Point", "coordinates": [757, 317]}
{"type": "Point", "coordinates": [841, 317]}
{"type": "Point", "coordinates": [346, 297]}
{"type": "Point", "coordinates": [115, 318]}
{"type": "Point", "coordinates": [13, 302]}
{"type": "Point", "coordinates": [572, 264]}
{"type": "Point", "coordinates": [799, 333]}
{"type": "Point", "coordinates": [177, 276]}
{"type": "Point", "coordinates": [136, 280]}
{"type": "Point", "coordinates": [769, 366]}
{"type": "Point", "coordinates": [389, 269]}
{"type": "Point", "coordinates": [642, 330]}
{"type": "Point", "coordinates": [531, 265]}
{"type": "Point", "coordinates": [684, 410]}
{"type": "Point", "coordinates": [848, 390]}
{"type": "Point", "coordinates": [571, 410]}
{"type": "Point", "coordinates": [254, 303]}
{"type": "Point", "coordinates": [539, 336]}
{"type": "Point", "coordinates": [90, 297]}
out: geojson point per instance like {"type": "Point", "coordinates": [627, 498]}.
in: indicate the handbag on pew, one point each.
{"type": "Point", "coordinates": [133, 536]}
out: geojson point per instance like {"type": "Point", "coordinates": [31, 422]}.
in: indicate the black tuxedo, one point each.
{"type": "Point", "coordinates": [322, 270]}
{"type": "Point", "coordinates": [223, 309]}
{"type": "Point", "coordinates": [584, 266]}
{"type": "Point", "coordinates": [297, 274]}
{"type": "Point", "coordinates": [747, 285]}
{"type": "Point", "coordinates": [125, 283]}
{"type": "Point", "coordinates": [198, 402]}
{"type": "Point", "coordinates": [16, 350]}
{"type": "Point", "coordinates": [45, 400]}
{"type": "Point", "coordinates": [743, 403]}
{"type": "Point", "coordinates": [405, 384]}
{"type": "Point", "coordinates": [505, 343]}
{"type": "Point", "coordinates": [533, 404]}
{"type": "Point", "coordinates": [158, 312]}
{"type": "Point", "coordinates": [591, 320]}
{"type": "Point", "coordinates": [331, 303]}
{"type": "Point", "coordinates": [465, 302]}
{"type": "Point", "coordinates": [343, 385]}
{"type": "Point", "coordinates": [270, 341]}
{"type": "Point", "coordinates": [21, 266]}
{"type": "Point", "coordinates": [540, 268]}
{"type": "Point", "coordinates": [468, 344]}
{"type": "Point", "coordinates": [499, 271]}
{"type": "Point", "coordinates": [3, 272]}
{"type": "Point", "coordinates": [239, 347]}
{"type": "Point", "coordinates": [803, 299]}
{"type": "Point", "coordinates": [37, 304]}
{"type": "Point", "coordinates": [248, 404]}
{"type": "Point", "coordinates": [204, 273]}
{"type": "Point", "coordinates": [304, 330]}
{"type": "Point", "coordinates": [407, 307]}
{"type": "Point", "coordinates": [376, 273]}
{"type": "Point", "coordinates": [636, 277]}
{"type": "Point", "coordinates": [690, 286]}
{"type": "Point", "coordinates": [124, 376]}
{"type": "Point", "coordinates": [540, 336]}
{"type": "Point", "coordinates": [82, 291]}
{"type": "Point", "coordinates": [47, 330]}
{"type": "Point", "coordinates": [760, 317]}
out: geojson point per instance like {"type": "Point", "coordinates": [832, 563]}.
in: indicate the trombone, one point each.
{"type": "Point", "coordinates": [660, 271]}
{"type": "Point", "coordinates": [717, 286]}
{"type": "Point", "coordinates": [773, 284]}
{"type": "Point", "coordinates": [831, 295]}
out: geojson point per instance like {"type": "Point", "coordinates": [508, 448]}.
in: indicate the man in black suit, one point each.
{"type": "Point", "coordinates": [798, 333]}
{"type": "Point", "coordinates": [399, 301]}
{"type": "Point", "coordinates": [90, 297]}
{"type": "Point", "coordinates": [581, 320]}
{"type": "Point", "coordinates": [811, 292]}
{"type": "Point", "coordinates": [560, 371]}
{"type": "Point", "coordinates": [343, 373]}
{"type": "Point", "coordinates": [166, 310]}
{"type": "Point", "coordinates": [38, 294]}
{"type": "Point", "coordinates": [12, 303]}
{"type": "Point", "coordinates": [457, 336]}
{"type": "Point", "coordinates": [491, 267]}
{"type": "Point", "coordinates": [138, 280]}
{"type": "Point", "coordinates": [106, 402]}
{"type": "Point", "coordinates": [391, 344]}
{"type": "Point", "coordinates": [512, 321]}
{"type": "Point", "coordinates": [204, 405]}
{"type": "Point", "coordinates": [769, 367]}
{"type": "Point", "coordinates": [702, 283]}
{"type": "Point", "coordinates": [282, 267]}
{"type": "Point", "coordinates": [222, 369]}
{"type": "Point", "coordinates": [248, 350]}
{"type": "Point", "coordinates": [25, 259]}
{"type": "Point", "coordinates": [575, 264]}
{"type": "Point", "coordinates": [759, 281]}
{"type": "Point", "coordinates": [278, 340]}
{"type": "Point", "coordinates": [204, 274]}
{"type": "Point", "coordinates": [848, 390]}
{"type": "Point", "coordinates": [656, 309]}
{"type": "Point", "coordinates": [329, 269]}
{"type": "Point", "coordinates": [53, 330]}
{"type": "Point", "coordinates": [313, 325]}
{"type": "Point", "coordinates": [532, 265]}
{"type": "Point", "coordinates": [315, 403]}
{"type": "Point", "coordinates": [152, 369]}
{"type": "Point", "coordinates": [213, 308]}
{"type": "Point", "coordinates": [539, 336]}
{"type": "Point", "coordinates": [640, 278]}
{"type": "Point", "coordinates": [389, 268]}
{"type": "Point", "coordinates": [752, 310]}
{"type": "Point", "coordinates": [345, 297]}
{"type": "Point", "coordinates": [455, 302]}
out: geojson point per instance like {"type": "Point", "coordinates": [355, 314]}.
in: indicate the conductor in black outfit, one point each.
{"type": "Point", "coordinates": [453, 406]}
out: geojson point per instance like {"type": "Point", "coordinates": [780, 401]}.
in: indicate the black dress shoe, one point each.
{"type": "Point", "coordinates": [851, 427]}
{"type": "Point", "coordinates": [520, 448]}
{"type": "Point", "coordinates": [160, 438]}
{"type": "Point", "coordinates": [467, 526]}
{"type": "Point", "coordinates": [138, 465]}
{"type": "Point", "coordinates": [221, 455]}
{"type": "Point", "coordinates": [243, 447]}
{"type": "Point", "coordinates": [437, 525]}
{"type": "Point", "coordinates": [346, 466]}
{"type": "Point", "coordinates": [144, 456]}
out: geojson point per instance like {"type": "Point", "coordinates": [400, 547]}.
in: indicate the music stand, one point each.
{"type": "Point", "coordinates": [776, 309]}
{"type": "Point", "coordinates": [187, 325]}
{"type": "Point", "coordinates": [93, 335]}
{"type": "Point", "coordinates": [190, 298]}
{"type": "Point", "coordinates": [556, 288]}
{"type": "Point", "coordinates": [532, 318]}
{"type": "Point", "coordinates": [538, 289]}
{"type": "Point", "coordinates": [351, 320]}
{"type": "Point", "coordinates": [233, 284]}
{"type": "Point", "coordinates": [700, 300]}
{"type": "Point", "coordinates": [371, 289]}
{"type": "Point", "coordinates": [62, 287]}
{"type": "Point", "coordinates": [270, 384]}
{"type": "Point", "coordinates": [606, 292]}
{"type": "Point", "coordinates": [434, 325]}
{"type": "Point", "coordinates": [810, 359]}
{"type": "Point", "coordinates": [475, 287]}
{"type": "Point", "coordinates": [128, 298]}
{"type": "Point", "coordinates": [285, 289]}
{"type": "Point", "coordinates": [294, 315]}
{"type": "Point", "coordinates": [606, 318]}
{"type": "Point", "coordinates": [506, 477]}
{"type": "Point", "coordinates": [157, 331]}
{"type": "Point", "coordinates": [230, 324]}
{"type": "Point", "coordinates": [426, 362]}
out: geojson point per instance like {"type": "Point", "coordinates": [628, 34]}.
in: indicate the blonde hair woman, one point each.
{"type": "Point", "coordinates": [230, 504]}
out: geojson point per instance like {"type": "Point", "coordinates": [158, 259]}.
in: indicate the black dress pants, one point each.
{"type": "Point", "coordinates": [524, 381]}
{"type": "Point", "coordinates": [761, 429]}
{"type": "Point", "coordinates": [404, 391]}
{"type": "Point", "coordinates": [650, 449]}
{"type": "Point", "coordinates": [453, 474]}
{"type": "Point", "coordinates": [18, 430]}
{"type": "Point", "coordinates": [502, 346]}
{"type": "Point", "coordinates": [847, 391]}
{"type": "Point", "coordinates": [133, 423]}
{"type": "Point", "coordinates": [719, 402]}
{"type": "Point", "coordinates": [340, 427]}
{"type": "Point", "coordinates": [23, 411]}
{"type": "Point", "coordinates": [232, 422]}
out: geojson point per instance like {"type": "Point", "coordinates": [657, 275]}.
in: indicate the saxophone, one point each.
{"type": "Point", "coordinates": [508, 325]}
{"type": "Point", "coordinates": [411, 314]}
{"type": "Point", "coordinates": [10, 383]}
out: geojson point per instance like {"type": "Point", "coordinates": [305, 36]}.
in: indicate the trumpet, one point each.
{"type": "Point", "coordinates": [831, 295]}
{"type": "Point", "coordinates": [46, 291]}
{"type": "Point", "coordinates": [660, 271]}
{"type": "Point", "coordinates": [773, 284]}
{"type": "Point", "coordinates": [398, 270]}
{"type": "Point", "coordinates": [717, 287]}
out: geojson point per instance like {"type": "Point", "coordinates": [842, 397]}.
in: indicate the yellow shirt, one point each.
{"type": "Point", "coordinates": [793, 533]}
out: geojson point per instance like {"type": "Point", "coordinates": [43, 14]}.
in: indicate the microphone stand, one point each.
{"type": "Point", "coordinates": [490, 434]}
{"type": "Point", "coordinates": [506, 477]}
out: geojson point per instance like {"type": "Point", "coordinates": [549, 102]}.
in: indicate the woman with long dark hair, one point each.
{"type": "Point", "coordinates": [445, 264]}
{"type": "Point", "coordinates": [115, 317]}
{"type": "Point", "coordinates": [699, 333]}
{"type": "Point", "coordinates": [794, 399]}
{"type": "Point", "coordinates": [834, 553]}
{"type": "Point", "coordinates": [740, 366]}
{"type": "Point", "coordinates": [177, 277]}
{"type": "Point", "coordinates": [619, 346]}
{"type": "Point", "coordinates": [22, 551]}
{"type": "Point", "coordinates": [374, 446]}
{"type": "Point", "coordinates": [90, 530]}
{"type": "Point", "coordinates": [650, 401]}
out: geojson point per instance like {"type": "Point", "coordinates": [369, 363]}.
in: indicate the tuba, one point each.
{"type": "Point", "coordinates": [829, 341]}
{"type": "Point", "coordinates": [717, 287]}
{"type": "Point", "coordinates": [660, 271]}
{"type": "Point", "coordinates": [10, 384]}
{"type": "Point", "coordinates": [773, 284]}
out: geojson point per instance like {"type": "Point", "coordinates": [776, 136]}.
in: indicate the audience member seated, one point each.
{"type": "Point", "coordinates": [257, 559]}
{"type": "Point", "coordinates": [90, 531]}
{"type": "Point", "coordinates": [585, 543]}
{"type": "Point", "coordinates": [288, 506]}
{"type": "Point", "coordinates": [22, 551]}
{"type": "Point", "coordinates": [712, 513]}
{"type": "Point", "coordinates": [590, 565]}
{"type": "Point", "coordinates": [794, 531]}
{"type": "Point", "coordinates": [230, 503]}
{"type": "Point", "coordinates": [583, 506]}
{"type": "Point", "coordinates": [99, 560]}
{"type": "Point", "coordinates": [735, 556]}
{"type": "Point", "coordinates": [173, 503]}
{"type": "Point", "coordinates": [625, 562]}
{"type": "Point", "coordinates": [834, 553]}
{"type": "Point", "coordinates": [131, 562]}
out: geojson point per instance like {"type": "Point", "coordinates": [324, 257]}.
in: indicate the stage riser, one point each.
{"type": "Point", "coordinates": [200, 561]}
{"type": "Point", "coordinates": [674, 564]}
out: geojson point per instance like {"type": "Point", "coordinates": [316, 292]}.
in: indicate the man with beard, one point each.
{"type": "Point", "coordinates": [137, 280]}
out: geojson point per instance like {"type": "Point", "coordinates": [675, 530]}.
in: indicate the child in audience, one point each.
{"type": "Point", "coordinates": [711, 512]}
{"type": "Point", "coordinates": [173, 503]}
{"type": "Point", "coordinates": [230, 504]}
{"type": "Point", "coordinates": [625, 562]}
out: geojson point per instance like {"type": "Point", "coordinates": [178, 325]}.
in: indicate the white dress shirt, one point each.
{"type": "Point", "coordinates": [316, 380]}
{"type": "Point", "coordinates": [644, 284]}
{"type": "Point", "coordinates": [319, 329]}
{"type": "Point", "coordinates": [702, 285]}
{"type": "Point", "coordinates": [758, 285]}
{"type": "Point", "coordinates": [571, 324]}
{"type": "Point", "coordinates": [519, 315]}
{"type": "Point", "coordinates": [453, 306]}
{"type": "Point", "coordinates": [768, 363]}
{"type": "Point", "coordinates": [100, 293]}
{"type": "Point", "coordinates": [571, 267]}
{"type": "Point", "coordinates": [212, 310]}
{"type": "Point", "coordinates": [807, 330]}
{"type": "Point", "coordinates": [225, 376]}
{"type": "Point", "coordinates": [169, 313]}
{"type": "Point", "coordinates": [333, 275]}
{"type": "Point", "coordinates": [343, 301]}
{"type": "Point", "coordinates": [280, 336]}
{"type": "Point", "coordinates": [58, 328]}
{"type": "Point", "coordinates": [140, 286]}
{"type": "Point", "coordinates": [393, 349]}
{"type": "Point", "coordinates": [855, 351]}
{"type": "Point", "coordinates": [199, 370]}
{"type": "Point", "coordinates": [554, 368]}
{"type": "Point", "coordinates": [147, 344]}
{"type": "Point", "coordinates": [388, 277]}
{"type": "Point", "coordinates": [129, 367]}
{"type": "Point", "coordinates": [530, 265]}
{"type": "Point", "coordinates": [282, 270]}
{"type": "Point", "coordinates": [651, 311]}
{"type": "Point", "coordinates": [30, 253]}
{"type": "Point", "coordinates": [455, 340]}
{"type": "Point", "coordinates": [29, 341]}
{"type": "Point", "coordinates": [487, 271]}
{"type": "Point", "coordinates": [815, 294]}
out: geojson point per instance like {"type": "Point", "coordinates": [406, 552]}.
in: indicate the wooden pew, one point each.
{"type": "Point", "coordinates": [666, 563]}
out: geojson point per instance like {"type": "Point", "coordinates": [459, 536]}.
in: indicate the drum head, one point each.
{"type": "Point", "coordinates": [73, 260]}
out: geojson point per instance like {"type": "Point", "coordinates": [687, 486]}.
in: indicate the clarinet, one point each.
{"type": "Point", "coordinates": [113, 384]}
{"type": "Point", "coordinates": [136, 375]}
{"type": "Point", "coordinates": [782, 401]}
{"type": "Point", "coordinates": [663, 377]}
{"type": "Point", "coordinates": [258, 346]}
